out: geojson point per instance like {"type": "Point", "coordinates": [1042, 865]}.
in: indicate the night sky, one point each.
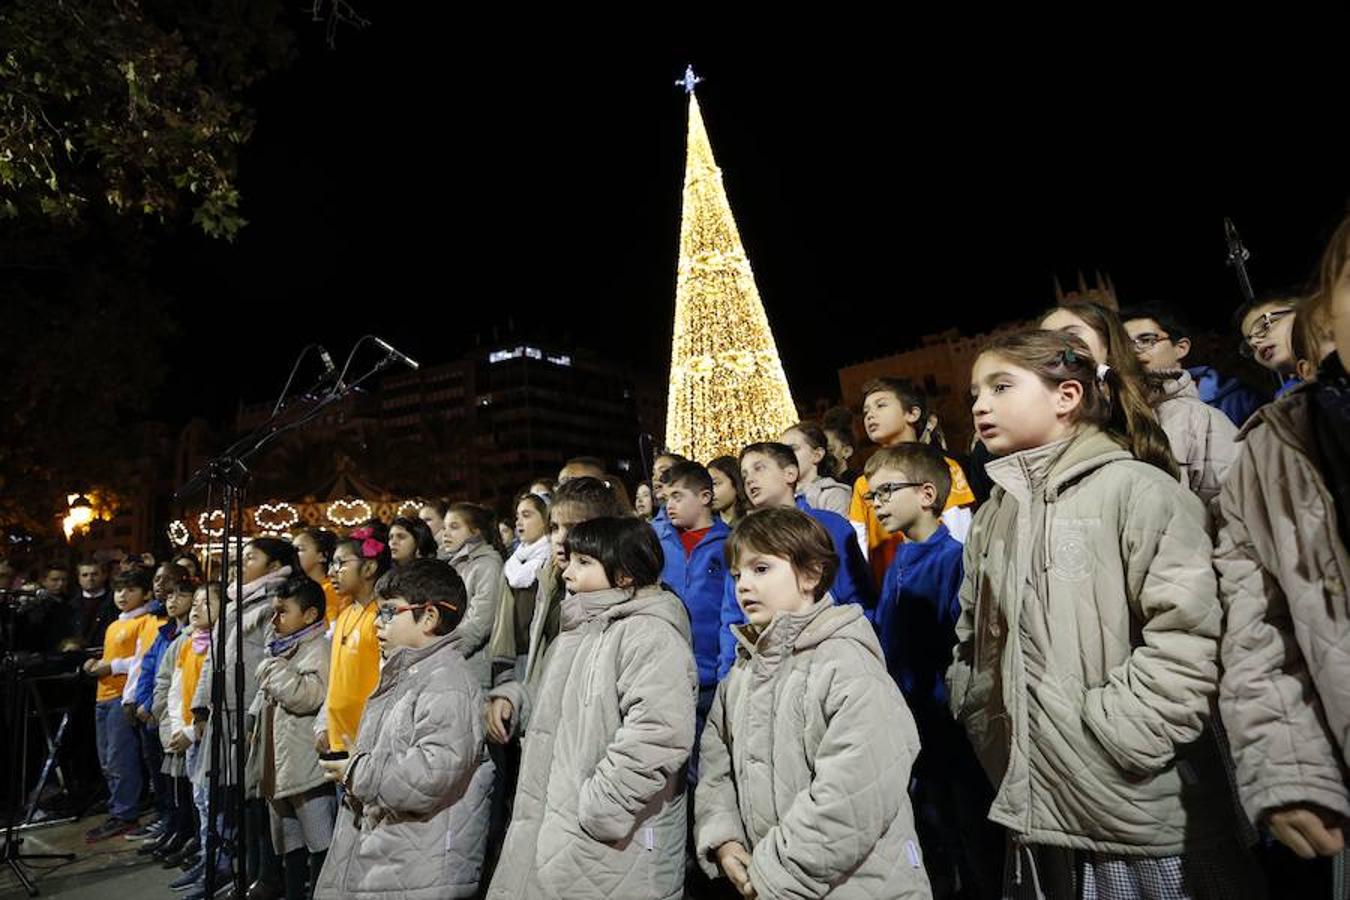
{"type": "Point", "coordinates": [424, 184]}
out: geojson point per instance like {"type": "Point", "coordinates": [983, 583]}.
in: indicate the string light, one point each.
{"type": "Point", "coordinates": [178, 533]}
{"type": "Point", "coordinates": [727, 384]}
{"type": "Point", "coordinates": [348, 513]}
{"type": "Point", "coordinates": [205, 520]}
{"type": "Point", "coordinates": [279, 517]}
{"type": "Point", "coordinates": [410, 508]}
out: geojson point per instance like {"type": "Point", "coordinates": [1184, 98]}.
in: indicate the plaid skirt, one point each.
{"type": "Point", "coordinates": [1222, 872]}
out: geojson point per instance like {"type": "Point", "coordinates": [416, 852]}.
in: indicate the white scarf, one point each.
{"type": "Point", "coordinates": [522, 569]}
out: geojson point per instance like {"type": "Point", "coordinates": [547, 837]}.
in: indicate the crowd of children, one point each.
{"type": "Point", "coordinates": [1123, 675]}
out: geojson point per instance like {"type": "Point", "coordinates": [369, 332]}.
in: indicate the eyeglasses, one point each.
{"type": "Point", "coordinates": [1148, 340]}
{"type": "Point", "coordinates": [1261, 329]}
{"type": "Point", "coordinates": [1265, 322]}
{"type": "Point", "coordinates": [385, 614]}
{"type": "Point", "coordinates": [882, 493]}
{"type": "Point", "coordinates": [337, 564]}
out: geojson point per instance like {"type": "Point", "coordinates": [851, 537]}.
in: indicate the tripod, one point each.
{"type": "Point", "coordinates": [13, 855]}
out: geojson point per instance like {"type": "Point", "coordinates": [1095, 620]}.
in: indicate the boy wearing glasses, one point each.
{"type": "Point", "coordinates": [916, 624]}
{"type": "Point", "coordinates": [1203, 439]}
{"type": "Point", "coordinates": [419, 778]}
{"type": "Point", "coordinates": [1162, 341]}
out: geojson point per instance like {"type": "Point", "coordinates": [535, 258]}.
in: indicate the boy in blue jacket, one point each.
{"type": "Point", "coordinates": [770, 472]}
{"type": "Point", "coordinates": [695, 569]}
{"type": "Point", "coordinates": [916, 624]}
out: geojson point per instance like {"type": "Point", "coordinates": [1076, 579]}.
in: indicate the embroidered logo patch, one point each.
{"type": "Point", "coordinates": [1071, 559]}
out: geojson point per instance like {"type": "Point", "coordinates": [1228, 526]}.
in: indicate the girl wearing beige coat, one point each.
{"type": "Point", "coordinates": [1086, 660]}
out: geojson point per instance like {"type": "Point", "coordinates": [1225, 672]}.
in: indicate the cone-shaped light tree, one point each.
{"type": "Point", "coordinates": [727, 386]}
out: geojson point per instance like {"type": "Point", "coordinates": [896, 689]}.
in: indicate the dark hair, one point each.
{"type": "Point", "coordinates": [688, 474]}
{"type": "Point", "coordinates": [904, 390]}
{"type": "Point", "coordinates": [1168, 319]}
{"type": "Point", "coordinates": [428, 582]}
{"type": "Point", "coordinates": [56, 567]}
{"type": "Point", "coordinates": [787, 534]}
{"type": "Point", "coordinates": [815, 439]}
{"type": "Point", "coordinates": [779, 453]}
{"type": "Point", "coordinates": [175, 572]}
{"type": "Point", "coordinates": [194, 565]}
{"type": "Point", "coordinates": [422, 537]}
{"type": "Point", "coordinates": [731, 468]}
{"type": "Point", "coordinates": [135, 577]}
{"type": "Point", "coordinates": [277, 550]}
{"type": "Point", "coordinates": [1116, 403]}
{"type": "Point", "coordinates": [540, 505]}
{"type": "Point", "coordinates": [921, 462]}
{"type": "Point", "coordinates": [593, 496]}
{"type": "Point", "coordinates": [670, 455]}
{"type": "Point", "coordinates": [483, 520]}
{"type": "Point", "coordinates": [379, 532]}
{"type": "Point", "coordinates": [838, 420]}
{"type": "Point", "coordinates": [91, 561]}
{"type": "Point", "coordinates": [624, 547]}
{"type": "Point", "coordinates": [325, 542]}
{"type": "Point", "coordinates": [306, 592]}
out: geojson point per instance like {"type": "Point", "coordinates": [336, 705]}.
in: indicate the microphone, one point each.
{"type": "Point", "coordinates": [398, 355]}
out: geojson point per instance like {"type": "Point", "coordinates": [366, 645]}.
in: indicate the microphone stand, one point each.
{"type": "Point", "coordinates": [229, 474]}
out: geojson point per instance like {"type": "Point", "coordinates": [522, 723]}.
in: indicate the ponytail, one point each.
{"type": "Point", "coordinates": [1113, 400]}
{"type": "Point", "coordinates": [1133, 422]}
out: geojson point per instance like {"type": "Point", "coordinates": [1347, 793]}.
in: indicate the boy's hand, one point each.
{"type": "Point", "coordinates": [498, 715]}
{"type": "Point", "coordinates": [144, 715]}
{"type": "Point", "coordinates": [734, 861]}
{"type": "Point", "coordinates": [199, 727]}
{"type": "Point", "coordinates": [129, 711]}
{"type": "Point", "coordinates": [335, 769]}
{"type": "Point", "coordinates": [179, 743]}
{"type": "Point", "coordinates": [98, 669]}
{"type": "Point", "coordinates": [321, 742]}
{"type": "Point", "coordinates": [1307, 830]}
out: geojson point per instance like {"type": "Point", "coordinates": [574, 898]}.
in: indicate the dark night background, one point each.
{"type": "Point", "coordinates": [425, 189]}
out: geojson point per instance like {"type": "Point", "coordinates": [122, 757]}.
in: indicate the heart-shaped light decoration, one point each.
{"type": "Point", "coordinates": [348, 513]}
{"type": "Point", "coordinates": [276, 517]}
{"type": "Point", "coordinates": [178, 533]}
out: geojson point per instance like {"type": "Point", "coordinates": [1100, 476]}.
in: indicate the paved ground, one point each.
{"type": "Point", "coordinates": [110, 870]}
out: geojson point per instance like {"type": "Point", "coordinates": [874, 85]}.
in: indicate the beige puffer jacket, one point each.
{"type": "Point", "coordinates": [1086, 654]}
{"type": "Point", "coordinates": [805, 760]}
{"type": "Point", "coordinates": [1201, 436]}
{"type": "Point", "coordinates": [292, 687]}
{"type": "Point", "coordinates": [421, 783]}
{"type": "Point", "coordinates": [828, 494]}
{"type": "Point", "coordinates": [480, 568]}
{"type": "Point", "coordinates": [600, 806]}
{"type": "Point", "coordinates": [1283, 573]}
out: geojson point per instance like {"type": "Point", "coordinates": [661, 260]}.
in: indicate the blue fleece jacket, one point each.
{"type": "Point", "coordinates": [145, 683]}
{"type": "Point", "coordinates": [1226, 394]}
{"type": "Point", "coordinates": [916, 617]}
{"type": "Point", "coordinates": [702, 582]}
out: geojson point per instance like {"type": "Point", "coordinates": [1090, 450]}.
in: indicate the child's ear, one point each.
{"type": "Point", "coordinates": [705, 497]}
{"type": "Point", "coordinates": [929, 498]}
{"type": "Point", "coordinates": [623, 580]}
{"type": "Point", "coordinates": [913, 414]}
{"type": "Point", "coordinates": [1068, 394]}
{"type": "Point", "coordinates": [431, 619]}
{"type": "Point", "coordinates": [311, 615]}
{"type": "Point", "coordinates": [1305, 370]}
{"type": "Point", "coordinates": [1183, 347]}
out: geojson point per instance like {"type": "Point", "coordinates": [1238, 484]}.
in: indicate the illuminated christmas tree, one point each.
{"type": "Point", "coordinates": [727, 387]}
